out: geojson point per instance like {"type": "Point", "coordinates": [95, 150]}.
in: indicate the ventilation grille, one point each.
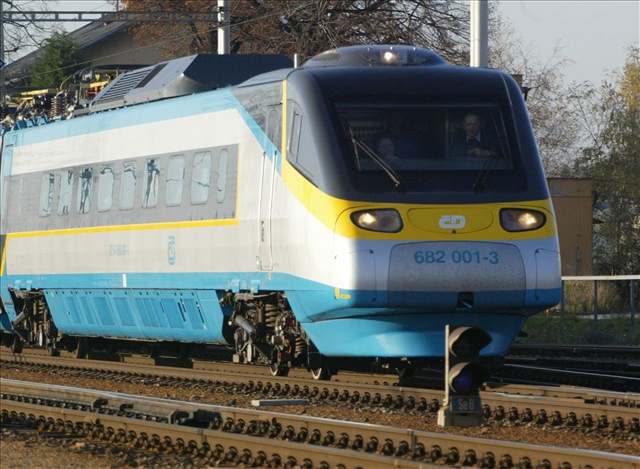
{"type": "Point", "coordinates": [125, 83]}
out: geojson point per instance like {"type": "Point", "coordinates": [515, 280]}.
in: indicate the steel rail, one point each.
{"type": "Point", "coordinates": [231, 448]}
{"type": "Point", "coordinates": [406, 445]}
{"type": "Point", "coordinates": [589, 395]}
{"type": "Point", "coordinates": [575, 349]}
{"type": "Point", "coordinates": [497, 405]}
{"type": "Point", "coordinates": [213, 368]}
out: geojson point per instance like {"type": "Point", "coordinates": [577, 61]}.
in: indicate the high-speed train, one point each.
{"type": "Point", "coordinates": [348, 208]}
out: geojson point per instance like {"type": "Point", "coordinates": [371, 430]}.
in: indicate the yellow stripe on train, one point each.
{"type": "Point", "coordinates": [420, 220]}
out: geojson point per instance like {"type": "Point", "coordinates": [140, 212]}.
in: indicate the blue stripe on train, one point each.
{"type": "Point", "coordinates": [311, 301]}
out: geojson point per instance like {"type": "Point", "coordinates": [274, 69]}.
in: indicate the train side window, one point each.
{"type": "Point", "coordinates": [84, 192]}
{"type": "Point", "coordinates": [175, 177]}
{"type": "Point", "coordinates": [201, 177]}
{"type": "Point", "coordinates": [151, 182]}
{"type": "Point", "coordinates": [128, 186]}
{"type": "Point", "coordinates": [66, 192]}
{"type": "Point", "coordinates": [46, 194]}
{"type": "Point", "coordinates": [274, 116]}
{"type": "Point", "coordinates": [222, 175]}
{"type": "Point", "coordinates": [295, 126]}
{"type": "Point", "coordinates": [105, 189]}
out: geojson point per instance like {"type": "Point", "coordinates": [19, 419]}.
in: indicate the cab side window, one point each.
{"type": "Point", "coordinates": [304, 159]}
{"type": "Point", "coordinates": [294, 128]}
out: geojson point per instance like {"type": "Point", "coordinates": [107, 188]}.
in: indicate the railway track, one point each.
{"type": "Point", "coordinates": [567, 375]}
{"type": "Point", "coordinates": [609, 352]}
{"type": "Point", "coordinates": [520, 405]}
{"type": "Point", "coordinates": [236, 436]}
{"type": "Point", "coordinates": [214, 368]}
{"type": "Point", "coordinates": [614, 367]}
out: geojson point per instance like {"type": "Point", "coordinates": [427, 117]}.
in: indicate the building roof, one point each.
{"type": "Point", "coordinates": [84, 37]}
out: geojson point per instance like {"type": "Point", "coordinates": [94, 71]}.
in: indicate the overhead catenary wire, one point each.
{"type": "Point", "coordinates": [164, 41]}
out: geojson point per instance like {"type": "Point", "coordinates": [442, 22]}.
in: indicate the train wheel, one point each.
{"type": "Point", "coordinates": [277, 369]}
{"type": "Point", "coordinates": [16, 344]}
{"type": "Point", "coordinates": [406, 373]}
{"type": "Point", "coordinates": [51, 349]}
{"type": "Point", "coordinates": [81, 347]}
{"type": "Point", "coordinates": [321, 374]}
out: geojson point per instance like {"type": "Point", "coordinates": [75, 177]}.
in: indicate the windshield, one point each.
{"type": "Point", "coordinates": [448, 147]}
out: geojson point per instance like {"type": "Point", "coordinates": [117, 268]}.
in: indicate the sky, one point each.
{"type": "Point", "coordinates": [594, 35]}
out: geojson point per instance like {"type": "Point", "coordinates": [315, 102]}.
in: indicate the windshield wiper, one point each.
{"type": "Point", "coordinates": [393, 175]}
{"type": "Point", "coordinates": [490, 164]}
{"type": "Point", "coordinates": [353, 142]}
{"type": "Point", "coordinates": [481, 180]}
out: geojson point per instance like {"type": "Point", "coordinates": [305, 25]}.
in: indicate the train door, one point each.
{"type": "Point", "coordinates": [267, 174]}
{"type": "Point", "coordinates": [267, 181]}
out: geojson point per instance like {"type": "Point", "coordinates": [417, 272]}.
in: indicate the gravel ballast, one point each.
{"type": "Point", "coordinates": [615, 442]}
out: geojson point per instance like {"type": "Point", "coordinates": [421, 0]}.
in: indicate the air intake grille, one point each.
{"type": "Point", "coordinates": [124, 83]}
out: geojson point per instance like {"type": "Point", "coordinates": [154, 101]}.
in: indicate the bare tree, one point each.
{"type": "Point", "coordinates": [551, 102]}
{"type": "Point", "coordinates": [21, 36]}
{"type": "Point", "coordinates": [307, 27]}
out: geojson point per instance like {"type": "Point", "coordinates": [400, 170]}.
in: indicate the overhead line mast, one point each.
{"type": "Point", "coordinates": [479, 33]}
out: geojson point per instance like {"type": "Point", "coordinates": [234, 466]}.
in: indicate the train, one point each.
{"type": "Point", "coordinates": [345, 209]}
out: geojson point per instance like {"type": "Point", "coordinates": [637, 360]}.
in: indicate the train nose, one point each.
{"type": "Point", "coordinates": [449, 275]}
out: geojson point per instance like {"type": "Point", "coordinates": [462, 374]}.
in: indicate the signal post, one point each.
{"type": "Point", "coordinates": [464, 375]}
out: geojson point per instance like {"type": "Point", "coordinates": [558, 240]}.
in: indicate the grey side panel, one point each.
{"type": "Point", "coordinates": [24, 213]}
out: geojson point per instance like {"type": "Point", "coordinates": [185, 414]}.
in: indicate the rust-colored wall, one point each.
{"type": "Point", "coordinates": [573, 203]}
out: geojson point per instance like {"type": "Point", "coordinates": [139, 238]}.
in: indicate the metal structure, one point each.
{"type": "Point", "coordinates": [464, 375]}
{"type": "Point", "coordinates": [224, 31]}
{"type": "Point", "coordinates": [81, 16]}
{"type": "Point", "coordinates": [632, 279]}
{"type": "Point", "coordinates": [479, 33]}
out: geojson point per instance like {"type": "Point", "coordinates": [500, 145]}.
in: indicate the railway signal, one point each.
{"type": "Point", "coordinates": [464, 375]}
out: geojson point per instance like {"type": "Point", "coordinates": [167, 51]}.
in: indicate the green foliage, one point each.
{"type": "Point", "coordinates": [56, 62]}
{"type": "Point", "coordinates": [612, 297]}
{"type": "Point", "coordinates": [572, 329]}
{"type": "Point", "coordinates": [614, 163]}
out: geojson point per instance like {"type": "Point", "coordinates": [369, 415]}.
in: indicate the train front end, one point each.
{"type": "Point", "coordinates": [435, 208]}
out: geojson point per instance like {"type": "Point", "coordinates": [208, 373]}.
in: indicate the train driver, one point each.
{"type": "Point", "coordinates": [474, 142]}
{"type": "Point", "coordinates": [386, 149]}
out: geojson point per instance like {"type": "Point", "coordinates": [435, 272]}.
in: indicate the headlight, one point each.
{"type": "Point", "coordinates": [387, 220]}
{"type": "Point", "coordinates": [513, 219]}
